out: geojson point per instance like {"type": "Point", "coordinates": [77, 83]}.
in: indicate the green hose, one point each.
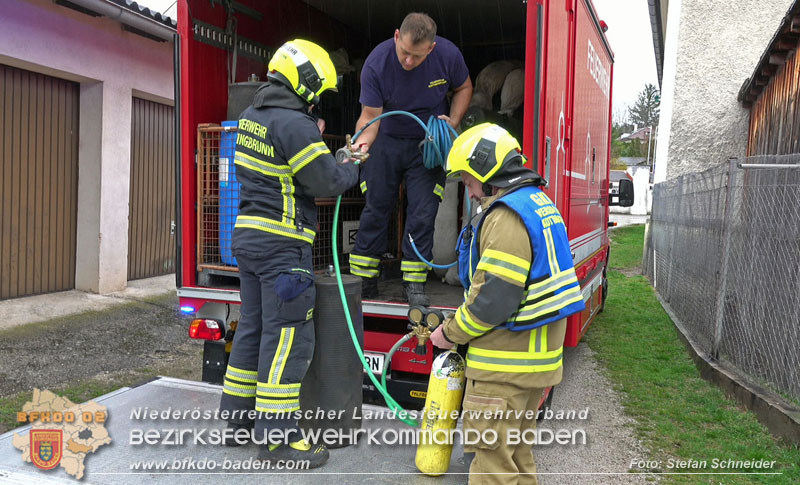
{"type": "Point", "coordinates": [393, 405]}
{"type": "Point", "coordinates": [396, 346]}
{"type": "Point", "coordinates": [439, 142]}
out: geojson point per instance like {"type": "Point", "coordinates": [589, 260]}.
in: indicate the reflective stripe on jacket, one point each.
{"type": "Point", "coordinates": [282, 164]}
{"type": "Point", "coordinates": [552, 291]}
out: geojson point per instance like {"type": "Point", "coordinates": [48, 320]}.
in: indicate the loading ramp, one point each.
{"type": "Point", "coordinates": [112, 464]}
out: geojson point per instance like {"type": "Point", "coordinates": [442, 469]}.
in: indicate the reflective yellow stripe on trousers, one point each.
{"type": "Point", "coordinates": [240, 382]}
{"type": "Point", "coordinates": [273, 396]}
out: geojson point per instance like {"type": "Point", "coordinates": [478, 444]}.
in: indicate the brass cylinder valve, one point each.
{"type": "Point", "coordinates": [423, 322]}
{"type": "Point", "coordinates": [350, 151]}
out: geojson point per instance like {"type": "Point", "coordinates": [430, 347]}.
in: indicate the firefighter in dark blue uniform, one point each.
{"type": "Point", "coordinates": [282, 164]}
{"type": "Point", "coordinates": [411, 72]}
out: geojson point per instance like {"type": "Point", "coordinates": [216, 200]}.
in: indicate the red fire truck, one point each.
{"type": "Point", "coordinates": [563, 123]}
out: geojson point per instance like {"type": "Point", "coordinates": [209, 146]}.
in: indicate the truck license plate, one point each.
{"type": "Point", "coordinates": [375, 361]}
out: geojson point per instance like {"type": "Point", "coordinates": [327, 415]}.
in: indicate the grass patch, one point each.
{"type": "Point", "coordinates": [678, 414]}
{"type": "Point", "coordinates": [626, 247]}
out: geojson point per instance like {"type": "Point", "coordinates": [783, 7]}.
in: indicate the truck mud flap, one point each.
{"type": "Point", "coordinates": [215, 361]}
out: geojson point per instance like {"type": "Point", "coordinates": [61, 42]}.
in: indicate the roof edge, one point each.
{"type": "Point", "coordinates": [658, 36]}
{"type": "Point", "coordinates": [785, 41]}
{"type": "Point", "coordinates": [140, 20]}
{"type": "Point", "coordinates": [142, 10]}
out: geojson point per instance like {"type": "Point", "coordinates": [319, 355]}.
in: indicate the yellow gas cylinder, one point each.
{"type": "Point", "coordinates": [439, 418]}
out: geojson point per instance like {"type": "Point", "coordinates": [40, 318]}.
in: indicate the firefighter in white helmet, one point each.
{"type": "Point", "coordinates": [517, 268]}
{"type": "Point", "coordinates": [282, 164]}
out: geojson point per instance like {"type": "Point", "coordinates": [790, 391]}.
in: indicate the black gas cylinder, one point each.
{"type": "Point", "coordinates": [330, 396]}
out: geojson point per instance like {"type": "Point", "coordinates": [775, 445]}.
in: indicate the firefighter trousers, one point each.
{"type": "Point", "coordinates": [394, 160]}
{"type": "Point", "coordinates": [512, 409]}
{"type": "Point", "coordinates": [274, 340]}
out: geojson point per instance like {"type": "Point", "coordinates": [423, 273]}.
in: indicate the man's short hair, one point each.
{"type": "Point", "coordinates": [419, 26]}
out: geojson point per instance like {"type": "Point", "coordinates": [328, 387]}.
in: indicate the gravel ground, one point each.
{"type": "Point", "coordinates": [611, 444]}
{"type": "Point", "coordinates": [148, 335]}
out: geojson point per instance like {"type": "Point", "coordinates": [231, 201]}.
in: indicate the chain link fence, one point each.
{"type": "Point", "coordinates": [723, 252]}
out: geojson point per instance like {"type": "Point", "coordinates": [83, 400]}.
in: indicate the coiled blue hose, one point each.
{"type": "Point", "coordinates": [435, 154]}
{"type": "Point", "coordinates": [438, 137]}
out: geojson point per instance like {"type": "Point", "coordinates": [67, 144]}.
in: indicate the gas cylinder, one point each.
{"type": "Point", "coordinates": [333, 381]}
{"type": "Point", "coordinates": [439, 418]}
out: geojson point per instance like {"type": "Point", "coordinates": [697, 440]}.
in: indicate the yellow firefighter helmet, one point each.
{"type": "Point", "coordinates": [481, 151]}
{"type": "Point", "coordinates": [305, 68]}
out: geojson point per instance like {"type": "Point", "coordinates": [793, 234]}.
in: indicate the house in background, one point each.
{"type": "Point", "coordinates": [615, 176]}
{"type": "Point", "coordinates": [641, 134]}
{"type": "Point", "coordinates": [87, 141]}
{"type": "Point", "coordinates": [632, 161]}
{"type": "Point", "coordinates": [705, 50]}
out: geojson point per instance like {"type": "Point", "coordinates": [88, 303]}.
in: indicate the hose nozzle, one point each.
{"type": "Point", "coordinates": [349, 151]}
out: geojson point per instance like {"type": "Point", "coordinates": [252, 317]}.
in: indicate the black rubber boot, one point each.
{"type": "Point", "coordinates": [369, 288]}
{"type": "Point", "coordinates": [299, 451]}
{"type": "Point", "coordinates": [415, 294]}
{"type": "Point", "coordinates": [231, 440]}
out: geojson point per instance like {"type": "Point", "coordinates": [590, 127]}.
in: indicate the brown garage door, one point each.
{"type": "Point", "coordinates": [151, 240]}
{"type": "Point", "coordinates": [39, 184]}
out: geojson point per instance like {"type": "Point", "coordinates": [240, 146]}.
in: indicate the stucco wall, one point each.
{"type": "Point", "coordinates": [110, 64]}
{"type": "Point", "coordinates": [718, 45]}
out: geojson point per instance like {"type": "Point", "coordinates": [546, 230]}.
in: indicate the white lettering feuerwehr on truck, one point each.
{"type": "Point", "coordinates": [597, 69]}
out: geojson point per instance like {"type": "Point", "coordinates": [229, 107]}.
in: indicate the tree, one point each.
{"type": "Point", "coordinates": [646, 109]}
{"type": "Point", "coordinates": [619, 119]}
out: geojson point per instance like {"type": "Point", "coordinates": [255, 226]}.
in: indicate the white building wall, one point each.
{"type": "Point", "coordinates": [110, 64]}
{"type": "Point", "coordinates": [715, 48]}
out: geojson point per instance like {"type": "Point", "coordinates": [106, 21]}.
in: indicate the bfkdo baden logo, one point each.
{"type": "Point", "coordinates": [46, 447]}
{"type": "Point", "coordinates": [62, 433]}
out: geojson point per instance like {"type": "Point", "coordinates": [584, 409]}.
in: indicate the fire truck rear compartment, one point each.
{"type": "Point", "coordinates": [485, 32]}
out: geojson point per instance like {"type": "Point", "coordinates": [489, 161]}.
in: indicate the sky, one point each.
{"type": "Point", "coordinates": [628, 33]}
{"type": "Point", "coordinates": [631, 39]}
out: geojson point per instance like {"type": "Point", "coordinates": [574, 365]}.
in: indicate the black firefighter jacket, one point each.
{"type": "Point", "coordinates": [282, 164]}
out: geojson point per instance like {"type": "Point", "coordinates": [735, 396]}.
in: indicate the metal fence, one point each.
{"type": "Point", "coordinates": [723, 252]}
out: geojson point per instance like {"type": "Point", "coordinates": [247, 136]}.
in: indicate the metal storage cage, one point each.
{"type": "Point", "coordinates": [218, 202]}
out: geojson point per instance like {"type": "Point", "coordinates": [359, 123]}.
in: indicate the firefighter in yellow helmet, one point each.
{"type": "Point", "coordinates": [282, 164]}
{"type": "Point", "coordinates": [305, 68]}
{"type": "Point", "coordinates": [516, 265]}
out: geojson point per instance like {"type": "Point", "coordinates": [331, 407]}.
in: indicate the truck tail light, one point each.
{"type": "Point", "coordinates": [206, 329]}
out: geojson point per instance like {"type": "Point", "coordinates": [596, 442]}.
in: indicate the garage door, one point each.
{"type": "Point", "coordinates": [151, 229]}
{"type": "Point", "coordinates": [39, 184]}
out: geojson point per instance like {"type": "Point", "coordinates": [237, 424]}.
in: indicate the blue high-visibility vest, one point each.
{"type": "Point", "coordinates": [552, 291]}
